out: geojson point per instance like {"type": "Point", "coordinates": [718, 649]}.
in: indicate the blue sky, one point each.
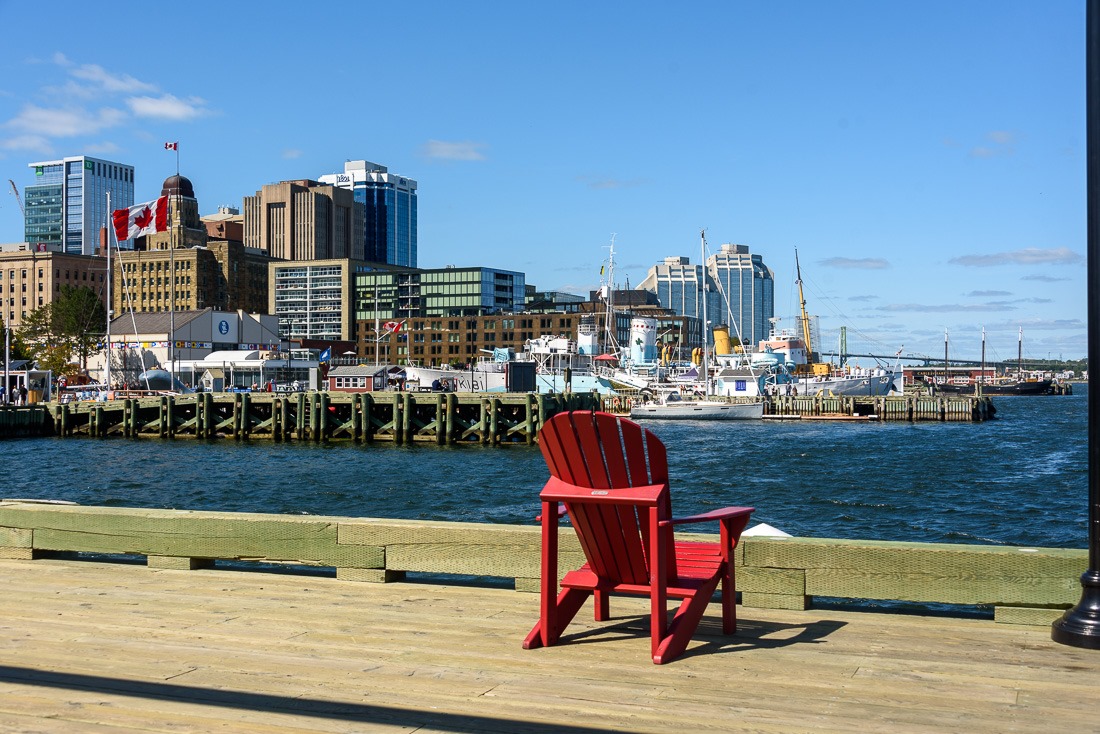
{"type": "Point", "coordinates": [927, 160]}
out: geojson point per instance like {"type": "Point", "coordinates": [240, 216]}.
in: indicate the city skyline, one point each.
{"type": "Point", "coordinates": [927, 164]}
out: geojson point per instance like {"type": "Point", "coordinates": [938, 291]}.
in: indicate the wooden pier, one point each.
{"type": "Point", "coordinates": [912, 407]}
{"type": "Point", "coordinates": [396, 417]}
{"type": "Point", "coordinates": [410, 417]}
{"type": "Point", "coordinates": [176, 645]}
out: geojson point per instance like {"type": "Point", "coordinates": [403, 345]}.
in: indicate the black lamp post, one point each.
{"type": "Point", "coordinates": [1080, 626]}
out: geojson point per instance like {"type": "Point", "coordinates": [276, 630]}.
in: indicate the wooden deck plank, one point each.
{"type": "Point", "coordinates": [95, 647]}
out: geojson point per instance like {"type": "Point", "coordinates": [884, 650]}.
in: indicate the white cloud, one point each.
{"type": "Point", "coordinates": [1043, 278]}
{"type": "Point", "coordinates": [114, 83]}
{"type": "Point", "coordinates": [167, 107]}
{"type": "Point", "coordinates": [849, 263]}
{"type": "Point", "coordinates": [292, 154]}
{"type": "Point", "coordinates": [942, 307]}
{"type": "Point", "coordinates": [1027, 256]}
{"type": "Point", "coordinates": [28, 143]}
{"type": "Point", "coordinates": [56, 123]}
{"type": "Point", "coordinates": [606, 183]}
{"type": "Point", "coordinates": [453, 151]}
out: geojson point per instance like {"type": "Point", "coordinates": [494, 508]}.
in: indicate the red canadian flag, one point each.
{"type": "Point", "coordinates": [172, 146]}
{"type": "Point", "coordinates": [141, 219]}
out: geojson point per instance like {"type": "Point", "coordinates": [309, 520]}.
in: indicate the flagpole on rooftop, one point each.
{"type": "Point", "coordinates": [1080, 626]}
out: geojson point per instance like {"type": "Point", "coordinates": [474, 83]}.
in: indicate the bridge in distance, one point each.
{"type": "Point", "coordinates": [924, 360]}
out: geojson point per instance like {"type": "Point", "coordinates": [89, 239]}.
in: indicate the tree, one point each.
{"type": "Point", "coordinates": [72, 325]}
{"type": "Point", "coordinates": [79, 316]}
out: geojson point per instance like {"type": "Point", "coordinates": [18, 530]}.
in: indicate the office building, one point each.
{"type": "Point", "coordinates": [390, 211]}
{"type": "Point", "coordinates": [31, 276]}
{"type": "Point", "coordinates": [67, 205]}
{"type": "Point", "coordinates": [747, 289]}
{"type": "Point", "coordinates": [421, 299]}
{"type": "Point", "coordinates": [304, 220]}
{"type": "Point", "coordinates": [403, 293]}
{"type": "Point", "coordinates": [738, 287]}
{"type": "Point", "coordinates": [313, 299]}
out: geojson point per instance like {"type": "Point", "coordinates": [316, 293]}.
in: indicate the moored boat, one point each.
{"type": "Point", "coordinates": [673, 407]}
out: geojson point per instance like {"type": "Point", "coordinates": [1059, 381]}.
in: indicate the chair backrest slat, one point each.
{"type": "Point", "coordinates": [602, 451]}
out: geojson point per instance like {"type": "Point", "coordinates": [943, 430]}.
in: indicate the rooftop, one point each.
{"type": "Point", "coordinates": [89, 646]}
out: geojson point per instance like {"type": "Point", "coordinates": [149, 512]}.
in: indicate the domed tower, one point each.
{"type": "Point", "coordinates": [185, 230]}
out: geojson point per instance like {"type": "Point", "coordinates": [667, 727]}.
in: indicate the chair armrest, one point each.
{"type": "Point", "coordinates": [561, 491]}
{"type": "Point", "coordinates": [726, 513]}
{"type": "Point", "coordinates": [562, 512]}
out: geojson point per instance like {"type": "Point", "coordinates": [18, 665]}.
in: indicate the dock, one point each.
{"type": "Point", "coordinates": [107, 647]}
{"type": "Point", "coordinates": [411, 417]}
{"type": "Point", "coordinates": [911, 407]}
{"type": "Point", "coordinates": [395, 417]}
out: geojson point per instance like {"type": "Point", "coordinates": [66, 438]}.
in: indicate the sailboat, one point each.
{"type": "Point", "coordinates": [672, 405]}
{"type": "Point", "coordinates": [997, 386]}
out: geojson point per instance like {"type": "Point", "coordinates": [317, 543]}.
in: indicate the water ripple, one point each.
{"type": "Point", "coordinates": [1020, 479]}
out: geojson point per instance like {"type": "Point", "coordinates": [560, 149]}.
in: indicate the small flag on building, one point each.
{"type": "Point", "coordinates": [141, 219]}
{"type": "Point", "coordinates": [172, 146]}
{"type": "Point", "coordinates": [325, 355]}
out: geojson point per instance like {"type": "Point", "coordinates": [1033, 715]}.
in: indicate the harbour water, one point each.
{"type": "Point", "coordinates": [1020, 479]}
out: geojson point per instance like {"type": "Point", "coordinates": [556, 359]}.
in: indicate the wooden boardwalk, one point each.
{"type": "Point", "coordinates": [93, 648]}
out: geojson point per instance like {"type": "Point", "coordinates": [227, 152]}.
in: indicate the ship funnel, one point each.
{"type": "Point", "coordinates": [722, 339]}
{"type": "Point", "coordinates": [643, 340]}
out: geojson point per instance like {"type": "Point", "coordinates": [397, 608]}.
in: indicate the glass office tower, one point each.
{"type": "Point", "coordinates": [67, 203]}
{"type": "Point", "coordinates": [390, 200]}
{"type": "Point", "coordinates": [739, 289]}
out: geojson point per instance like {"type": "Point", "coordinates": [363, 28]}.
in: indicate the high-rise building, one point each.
{"type": "Point", "coordinates": [748, 292]}
{"type": "Point", "coordinates": [67, 204]}
{"type": "Point", "coordinates": [304, 220]}
{"type": "Point", "coordinates": [739, 290]}
{"type": "Point", "coordinates": [390, 216]}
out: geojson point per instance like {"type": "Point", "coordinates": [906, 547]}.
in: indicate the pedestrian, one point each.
{"type": "Point", "coordinates": [22, 394]}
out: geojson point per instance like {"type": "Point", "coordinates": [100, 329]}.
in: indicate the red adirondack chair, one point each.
{"type": "Point", "coordinates": [612, 477]}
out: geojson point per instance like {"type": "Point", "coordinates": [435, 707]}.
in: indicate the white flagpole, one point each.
{"type": "Point", "coordinates": [110, 303]}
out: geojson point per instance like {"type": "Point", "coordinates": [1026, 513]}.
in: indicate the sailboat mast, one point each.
{"type": "Point", "coordinates": [802, 303]}
{"type": "Point", "coordinates": [110, 303]}
{"type": "Point", "coordinates": [703, 292]}
{"type": "Point", "coordinates": [611, 343]}
{"type": "Point", "coordinates": [1020, 356]}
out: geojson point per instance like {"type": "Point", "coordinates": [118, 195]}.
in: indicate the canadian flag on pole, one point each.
{"type": "Point", "coordinates": [172, 146]}
{"type": "Point", "coordinates": [141, 219]}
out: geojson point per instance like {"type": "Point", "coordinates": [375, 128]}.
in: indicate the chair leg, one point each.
{"type": "Point", "coordinates": [602, 604]}
{"type": "Point", "coordinates": [684, 623]}
{"type": "Point", "coordinates": [729, 600]}
{"type": "Point", "coordinates": [547, 631]}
